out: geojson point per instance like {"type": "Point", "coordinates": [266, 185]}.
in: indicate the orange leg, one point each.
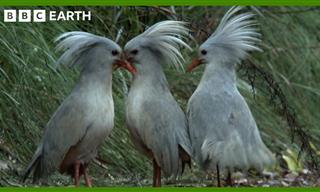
{"type": "Point", "coordinates": [76, 173]}
{"type": "Point", "coordinates": [156, 174]}
{"type": "Point", "coordinates": [86, 178]}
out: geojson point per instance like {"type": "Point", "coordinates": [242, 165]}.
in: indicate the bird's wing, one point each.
{"type": "Point", "coordinates": [162, 128]}
{"type": "Point", "coordinates": [258, 155]}
{"type": "Point", "coordinates": [179, 123]}
{"type": "Point", "coordinates": [223, 132]}
{"type": "Point", "coordinates": [180, 126]}
{"type": "Point", "coordinates": [66, 128]}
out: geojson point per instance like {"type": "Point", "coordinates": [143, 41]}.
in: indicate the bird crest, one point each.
{"type": "Point", "coordinates": [235, 35]}
{"type": "Point", "coordinates": [165, 37]}
{"type": "Point", "coordinates": [75, 43]}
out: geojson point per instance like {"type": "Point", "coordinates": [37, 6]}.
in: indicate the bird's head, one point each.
{"type": "Point", "coordinates": [159, 44]}
{"type": "Point", "coordinates": [133, 52]}
{"type": "Point", "coordinates": [205, 54]}
{"type": "Point", "coordinates": [91, 52]}
{"type": "Point", "coordinates": [234, 37]}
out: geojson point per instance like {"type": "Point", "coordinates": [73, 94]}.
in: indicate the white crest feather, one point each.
{"type": "Point", "coordinates": [75, 43]}
{"type": "Point", "coordinates": [235, 35]}
{"type": "Point", "coordinates": [166, 37]}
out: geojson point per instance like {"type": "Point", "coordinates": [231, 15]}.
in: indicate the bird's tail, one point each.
{"type": "Point", "coordinates": [235, 36]}
{"type": "Point", "coordinates": [32, 166]}
{"type": "Point", "coordinates": [224, 153]}
{"type": "Point", "coordinates": [35, 167]}
{"type": "Point", "coordinates": [232, 154]}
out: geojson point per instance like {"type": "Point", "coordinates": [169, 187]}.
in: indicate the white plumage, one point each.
{"type": "Point", "coordinates": [156, 122]}
{"type": "Point", "coordinates": [75, 43]}
{"type": "Point", "coordinates": [234, 37]}
{"type": "Point", "coordinates": [86, 117]}
{"type": "Point", "coordinates": [166, 38]}
{"type": "Point", "coordinates": [222, 129]}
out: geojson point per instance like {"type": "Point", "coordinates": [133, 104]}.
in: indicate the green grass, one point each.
{"type": "Point", "coordinates": [31, 88]}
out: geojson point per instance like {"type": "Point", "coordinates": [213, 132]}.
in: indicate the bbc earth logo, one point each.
{"type": "Point", "coordinates": [44, 15]}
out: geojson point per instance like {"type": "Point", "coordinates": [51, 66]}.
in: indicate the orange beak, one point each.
{"type": "Point", "coordinates": [195, 63]}
{"type": "Point", "coordinates": [124, 64]}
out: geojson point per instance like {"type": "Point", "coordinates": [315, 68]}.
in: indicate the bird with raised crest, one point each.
{"type": "Point", "coordinates": [223, 132]}
{"type": "Point", "coordinates": [86, 117]}
{"type": "Point", "coordinates": [157, 124]}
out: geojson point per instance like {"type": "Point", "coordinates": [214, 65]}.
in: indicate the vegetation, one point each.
{"type": "Point", "coordinates": [281, 85]}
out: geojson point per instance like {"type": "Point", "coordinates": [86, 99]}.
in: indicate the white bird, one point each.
{"type": "Point", "coordinates": [223, 132]}
{"type": "Point", "coordinates": [85, 117]}
{"type": "Point", "coordinates": [156, 122]}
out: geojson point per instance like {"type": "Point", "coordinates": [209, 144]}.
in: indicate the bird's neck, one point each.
{"type": "Point", "coordinates": [219, 74]}
{"type": "Point", "coordinates": [99, 80]}
{"type": "Point", "coordinates": [150, 75]}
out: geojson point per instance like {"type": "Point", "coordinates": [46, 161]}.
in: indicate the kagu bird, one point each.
{"type": "Point", "coordinates": [223, 132]}
{"type": "Point", "coordinates": [85, 118]}
{"type": "Point", "coordinates": [156, 122]}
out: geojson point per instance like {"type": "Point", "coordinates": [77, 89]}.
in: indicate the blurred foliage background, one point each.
{"type": "Point", "coordinates": [281, 85]}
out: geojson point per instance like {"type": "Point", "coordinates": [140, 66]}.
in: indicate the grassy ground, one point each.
{"type": "Point", "coordinates": [281, 85]}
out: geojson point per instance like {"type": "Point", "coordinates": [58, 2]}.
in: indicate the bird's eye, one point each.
{"type": "Point", "coordinates": [134, 52]}
{"type": "Point", "coordinates": [203, 52]}
{"type": "Point", "coordinates": [115, 52]}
